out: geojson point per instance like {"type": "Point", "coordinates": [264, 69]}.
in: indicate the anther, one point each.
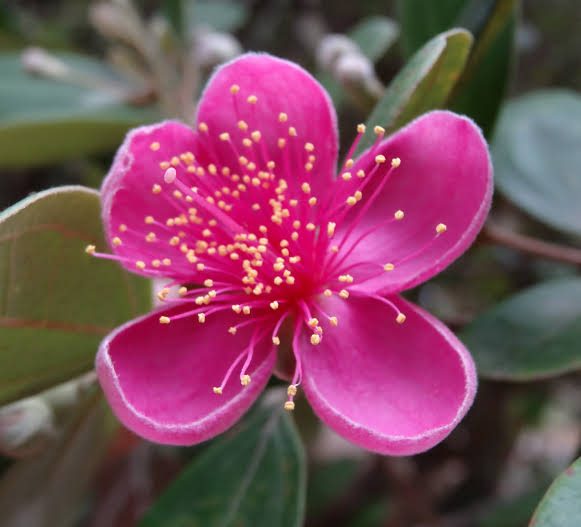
{"type": "Point", "coordinates": [234, 88]}
{"type": "Point", "coordinates": [328, 292]}
{"type": "Point", "coordinates": [361, 128]}
{"type": "Point", "coordinates": [182, 291]}
{"type": "Point", "coordinates": [217, 390]}
{"type": "Point", "coordinates": [331, 228]}
{"type": "Point", "coordinates": [315, 339]}
{"type": "Point", "coordinates": [309, 147]}
{"type": "Point", "coordinates": [344, 293]}
{"type": "Point", "coordinates": [388, 267]}
{"type": "Point", "coordinates": [360, 174]}
{"type": "Point", "coordinates": [312, 201]}
{"type": "Point", "coordinates": [379, 130]}
{"type": "Point", "coordinates": [252, 99]}
{"type": "Point", "coordinates": [203, 127]}
{"type": "Point", "coordinates": [276, 341]}
{"type": "Point", "coordinates": [255, 136]}
{"type": "Point", "coordinates": [291, 391]}
{"type": "Point", "coordinates": [400, 319]}
{"type": "Point", "coordinates": [289, 406]}
{"type": "Point", "coordinates": [90, 249]}
{"type": "Point", "coordinates": [232, 330]}
{"type": "Point", "coordinates": [156, 189]}
{"type": "Point", "coordinates": [245, 380]}
{"type": "Point", "coordinates": [140, 265]}
{"type": "Point", "coordinates": [313, 322]}
{"type": "Point", "coordinates": [274, 305]}
{"type": "Point", "coordinates": [398, 215]}
{"type": "Point", "coordinates": [154, 146]}
{"type": "Point", "coordinates": [380, 159]}
{"type": "Point", "coordinates": [349, 163]}
{"type": "Point", "coordinates": [440, 228]}
{"type": "Point", "coordinates": [333, 321]}
{"type": "Point", "coordinates": [224, 136]}
{"type": "Point", "coordinates": [208, 282]}
{"type": "Point", "coordinates": [346, 176]}
{"type": "Point", "coordinates": [242, 126]}
{"type": "Point", "coordinates": [164, 320]}
{"type": "Point", "coordinates": [170, 175]}
{"type": "Point", "coordinates": [395, 162]}
{"type": "Point", "coordinates": [201, 318]}
{"type": "Point", "coordinates": [292, 131]}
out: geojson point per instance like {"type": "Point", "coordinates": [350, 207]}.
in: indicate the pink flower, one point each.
{"type": "Point", "coordinates": [263, 242]}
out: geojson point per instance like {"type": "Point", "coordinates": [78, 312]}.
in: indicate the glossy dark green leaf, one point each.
{"type": "Point", "coordinates": [253, 479]}
{"type": "Point", "coordinates": [421, 20]}
{"type": "Point", "coordinates": [57, 302]}
{"type": "Point", "coordinates": [537, 156]}
{"type": "Point", "coordinates": [374, 35]}
{"type": "Point", "coordinates": [422, 85]}
{"type": "Point", "coordinates": [561, 505]}
{"type": "Point", "coordinates": [44, 121]}
{"type": "Point", "coordinates": [534, 334]}
{"type": "Point", "coordinates": [482, 87]}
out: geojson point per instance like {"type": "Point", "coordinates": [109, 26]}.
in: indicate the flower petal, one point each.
{"type": "Point", "coordinates": [392, 388]}
{"type": "Point", "coordinates": [158, 378]}
{"type": "Point", "coordinates": [127, 197]}
{"type": "Point", "coordinates": [445, 177]}
{"type": "Point", "coordinates": [279, 86]}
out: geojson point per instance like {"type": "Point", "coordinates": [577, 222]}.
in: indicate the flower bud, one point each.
{"type": "Point", "coordinates": [26, 427]}
{"type": "Point", "coordinates": [331, 48]}
{"type": "Point", "coordinates": [353, 68]}
{"type": "Point", "coordinates": [213, 48]}
{"type": "Point", "coordinates": [39, 62]}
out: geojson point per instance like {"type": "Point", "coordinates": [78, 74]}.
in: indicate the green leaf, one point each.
{"type": "Point", "coordinates": [537, 157]}
{"type": "Point", "coordinates": [483, 84]}
{"type": "Point", "coordinates": [222, 15]}
{"type": "Point", "coordinates": [422, 85]}
{"type": "Point", "coordinates": [481, 88]}
{"type": "Point", "coordinates": [57, 302]}
{"type": "Point", "coordinates": [374, 35]}
{"type": "Point", "coordinates": [50, 490]}
{"type": "Point", "coordinates": [174, 12]}
{"type": "Point", "coordinates": [534, 334]}
{"type": "Point", "coordinates": [328, 482]}
{"type": "Point", "coordinates": [45, 121]}
{"type": "Point", "coordinates": [561, 505]}
{"type": "Point", "coordinates": [254, 479]}
{"type": "Point", "coordinates": [421, 20]}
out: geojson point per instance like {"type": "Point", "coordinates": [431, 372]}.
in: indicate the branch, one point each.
{"type": "Point", "coordinates": [497, 235]}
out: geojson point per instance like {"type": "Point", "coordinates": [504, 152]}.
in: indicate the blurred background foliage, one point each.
{"type": "Point", "coordinates": [76, 75]}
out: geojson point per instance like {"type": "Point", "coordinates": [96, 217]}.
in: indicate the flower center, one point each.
{"type": "Point", "coordinates": [261, 245]}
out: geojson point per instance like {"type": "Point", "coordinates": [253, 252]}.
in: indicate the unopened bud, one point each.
{"type": "Point", "coordinates": [331, 48]}
{"type": "Point", "coordinates": [354, 68]}
{"type": "Point", "coordinates": [213, 48]}
{"type": "Point", "coordinates": [26, 427]}
{"type": "Point", "coordinates": [39, 62]}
